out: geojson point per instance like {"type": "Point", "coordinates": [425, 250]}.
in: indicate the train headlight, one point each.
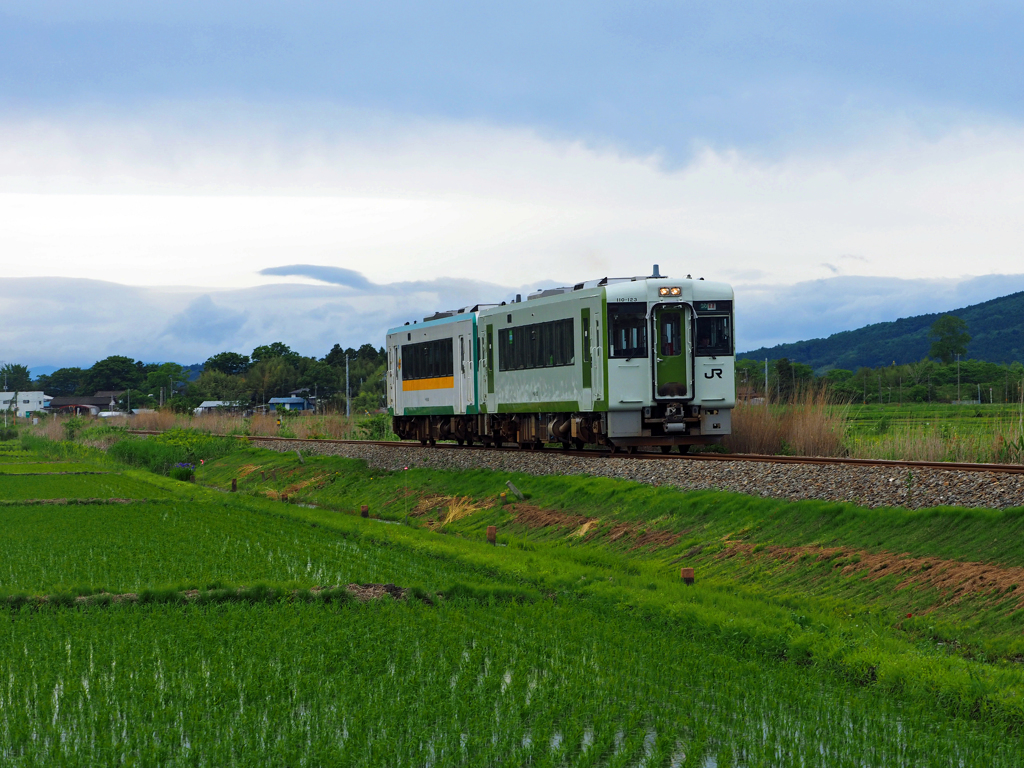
{"type": "Point", "coordinates": [663, 291]}
{"type": "Point", "coordinates": [674, 291]}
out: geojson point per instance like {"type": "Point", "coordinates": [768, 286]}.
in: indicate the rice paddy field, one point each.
{"type": "Point", "coordinates": [987, 433]}
{"type": "Point", "coordinates": [182, 626]}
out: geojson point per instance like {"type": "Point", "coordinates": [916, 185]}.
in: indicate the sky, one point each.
{"type": "Point", "coordinates": [180, 179]}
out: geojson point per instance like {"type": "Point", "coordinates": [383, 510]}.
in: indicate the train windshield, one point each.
{"type": "Point", "coordinates": [627, 330]}
{"type": "Point", "coordinates": [714, 336]}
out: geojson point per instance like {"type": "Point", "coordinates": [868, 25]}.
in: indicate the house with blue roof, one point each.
{"type": "Point", "coordinates": [290, 403]}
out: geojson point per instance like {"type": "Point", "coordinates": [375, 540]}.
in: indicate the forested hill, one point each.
{"type": "Point", "coordinates": [996, 328]}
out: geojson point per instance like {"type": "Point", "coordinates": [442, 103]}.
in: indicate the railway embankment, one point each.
{"type": "Point", "coordinates": [864, 485]}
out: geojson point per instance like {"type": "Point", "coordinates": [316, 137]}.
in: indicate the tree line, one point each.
{"type": "Point", "coordinates": [271, 370]}
{"type": "Point", "coordinates": [943, 377]}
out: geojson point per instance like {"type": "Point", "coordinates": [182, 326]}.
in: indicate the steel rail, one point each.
{"type": "Point", "coordinates": [948, 466]}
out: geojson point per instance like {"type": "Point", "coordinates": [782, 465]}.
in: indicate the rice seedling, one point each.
{"type": "Point", "coordinates": [30, 486]}
{"type": "Point", "coordinates": [459, 683]}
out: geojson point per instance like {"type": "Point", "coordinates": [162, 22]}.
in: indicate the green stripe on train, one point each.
{"type": "Point", "coordinates": [558, 406]}
{"type": "Point", "coordinates": [441, 410]}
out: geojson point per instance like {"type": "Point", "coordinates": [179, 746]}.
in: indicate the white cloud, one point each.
{"type": "Point", "coordinates": [156, 202]}
{"type": "Point", "coordinates": [59, 321]}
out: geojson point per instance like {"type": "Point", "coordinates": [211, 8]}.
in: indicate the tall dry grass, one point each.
{"type": "Point", "coordinates": [52, 428]}
{"type": "Point", "coordinates": [813, 424]}
{"type": "Point", "coordinates": [157, 421]}
{"type": "Point", "coordinates": [302, 425]}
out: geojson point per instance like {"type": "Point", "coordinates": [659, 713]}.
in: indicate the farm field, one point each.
{"type": "Point", "coordinates": [107, 485]}
{"type": "Point", "coordinates": [977, 433]}
{"type": "Point", "coordinates": [556, 648]}
{"type": "Point", "coordinates": [9, 466]}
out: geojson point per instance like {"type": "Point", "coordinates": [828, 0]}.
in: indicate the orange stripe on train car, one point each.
{"type": "Point", "coordinates": [441, 382]}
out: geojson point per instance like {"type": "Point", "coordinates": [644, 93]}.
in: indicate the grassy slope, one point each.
{"type": "Point", "coordinates": [806, 611]}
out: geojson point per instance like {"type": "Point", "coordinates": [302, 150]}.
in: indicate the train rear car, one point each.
{"type": "Point", "coordinates": [432, 376]}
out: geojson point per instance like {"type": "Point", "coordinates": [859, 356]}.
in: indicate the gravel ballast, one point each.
{"type": "Point", "coordinates": [863, 485]}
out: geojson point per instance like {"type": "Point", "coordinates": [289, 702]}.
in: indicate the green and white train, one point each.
{"type": "Point", "coordinates": [617, 362]}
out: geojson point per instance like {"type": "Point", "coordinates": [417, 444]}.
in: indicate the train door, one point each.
{"type": "Point", "coordinates": [670, 370]}
{"type": "Point", "coordinates": [490, 359]}
{"type": "Point", "coordinates": [394, 375]}
{"type": "Point", "coordinates": [596, 345]}
{"type": "Point", "coordinates": [587, 364]}
{"type": "Point", "coordinates": [466, 369]}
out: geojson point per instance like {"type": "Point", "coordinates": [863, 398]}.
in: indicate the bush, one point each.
{"type": "Point", "coordinates": [182, 471]}
{"type": "Point", "coordinates": [8, 433]}
{"type": "Point", "coordinates": [377, 427]}
{"type": "Point", "coordinates": [172, 450]}
{"type": "Point", "coordinates": [73, 426]}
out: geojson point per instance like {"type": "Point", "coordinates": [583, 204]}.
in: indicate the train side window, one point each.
{"type": "Point", "coordinates": [428, 360]}
{"type": "Point", "coordinates": [714, 336]}
{"type": "Point", "coordinates": [539, 345]}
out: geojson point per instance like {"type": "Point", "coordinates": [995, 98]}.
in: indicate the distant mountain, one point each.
{"type": "Point", "coordinates": [996, 328]}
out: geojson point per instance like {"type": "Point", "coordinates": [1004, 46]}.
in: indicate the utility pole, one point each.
{"type": "Point", "coordinates": [958, 379]}
{"type": "Point", "coordinates": [348, 400]}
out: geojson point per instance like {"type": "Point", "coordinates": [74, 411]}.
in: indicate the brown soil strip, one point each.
{"type": "Point", "coordinates": [40, 474]}
{"type": "Point", "coordinates": [955, 578]}
{"type": "Point", "coordinates": [634, 534]}
{"type": "Point", "coordinates": [247, 469]}
{"type": "Point", "coordinates": [66, 502]}
{"type": "Point", "coordinates": [361, 592]}
{"type": "Point", "coordinates": [316, 480]}
{"type": "Point", "coordinates": [366, 592]}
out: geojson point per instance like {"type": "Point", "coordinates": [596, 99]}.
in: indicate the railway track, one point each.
{"type": "Point", "coordinates": [1013, 469]}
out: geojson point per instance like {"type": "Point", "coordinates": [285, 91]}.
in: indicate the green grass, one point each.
{"type": "Point", "coordinates": [461, 683]}
{"type": "Point", "coordinates": [48, 467]}
{"type": "Point", "coordinates": [23, 487]}
{"type": "Point", "coordinates": [703, 517]}
{"type": "Point", "coordinates": [208, 540]}
{"type": "Point", "coordinates": [610, 658]}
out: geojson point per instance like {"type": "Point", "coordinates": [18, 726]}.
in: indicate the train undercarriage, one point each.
{"type": "Point", "coordinates": [669, 426]}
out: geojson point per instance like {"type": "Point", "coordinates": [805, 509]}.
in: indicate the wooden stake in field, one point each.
{"type": "Point", "coordinates": [686, 574]}
{"type": "Point", "coordinates": [234, 485]}
{"type": "Point", "coordinates": [492, 534]}
{"type": "Point", "coordinates": [364, 511]}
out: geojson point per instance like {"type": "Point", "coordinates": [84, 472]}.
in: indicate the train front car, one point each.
{"type": "Point", "coordinates": [670, 362]}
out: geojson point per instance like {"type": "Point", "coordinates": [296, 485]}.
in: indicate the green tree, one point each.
{"type": "Point", "coordinates": [231, 363]}
{"type": "Point", "coordinates": [63, 382]}
{"type": "Point", "coordinates": [271, 378]}
{"type": "Point", "coordinates": [320, 378]}
{"type": "Point", "coordinates": [14, 377]}
{"type": "Point", "coordinates": [276, 350]}
{"type": "Point", "coordinates": [112, 373]}
{"type": "Point", "coordinates": [949, 338]}
{"type": "Point", "coordinates": [170, 376]}
{"type": "Point", "coordinates": [216, 385]}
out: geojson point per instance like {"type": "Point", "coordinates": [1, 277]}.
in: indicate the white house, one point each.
{"type": "Point", "coordinates": [26, 403]}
